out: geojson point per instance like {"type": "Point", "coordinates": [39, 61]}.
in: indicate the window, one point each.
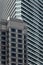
{"type": "Point", "coordinates": [3, 42]}
{"type": "Point", "coordinates": [3, 33]}
{"type": "Point", "coordinates": [19, 41]}
{"type": "Point", "coordinates": [25, 56]}
{"type": "Point", "coordinates": [20, 45]}
{"type": "Point", "coordinates": [13, 30]}
{"type": "Point", "coordinates": [19, 50]}
{"type": "Point", "coordinates": [3, 38]}
{"type": "Point", "coordinates": [13, 35]}
{"type": "Point", "coordinates": [13, 64]}
{"type": "Point", "coordinates": [20, 55]}
{"type": "Point", "coordinates": [13, 44]}
{"type": "Point", "coordinates": [25, 46]}
{"type": "Point", "coordinates": [13, 59]}
{"type": "Point", "coordinates": [3, 62]}
{"type": "Point", "coordinates": [7, 51]}
{"type": "Point", "coordinates": [24, 51]}
{"type": "Point", "coordinates": [19, 31]}
{"type": "Point", "coordinates": [25, 42]}
{"type": "Point", "coordinates": [3, 47]}
{"type": "Point", "coordinates": [19, 36]}
{"type": "Point", "coordinates": [13, 49]}
{"type": "Point", "coordinates": [13, 54]}
{"type": "Point", "coordinates": [20, 60]}
{"type": "Point", "coordinates": [13, 40]}
{"type": "Point", "coordinates": [20, 64]}
{"type": "Point", "coordinates": [25, 61]}
{"type": "Point", "coordinates": [3, 52]}
{"type": "Point", "coordinates": [3, 57]}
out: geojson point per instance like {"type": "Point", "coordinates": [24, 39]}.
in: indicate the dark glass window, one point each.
{"type": "Point", "coordinates": [3, 57]}
{"type": "Point", "coordinates": [13, 54]}
{"type": "Point", "coordinates": [7, 51]}
{"type": "Point", "coordinates": [3, 33]}
{"type": "Point", "coordinates": [13, 59]}
{"type": "Point", "coordinates": [3, 47]}
{"type": "Point", "coordinates": [19, 64]}
{"type": "Point", "coordinates": [3, 38]}
{"type": "Point", "coordinates": [13, 35]}
{"type": "Point", "coordinates": [24, 46]}
{"type": "Point", "coordinates": [19, 50]}
{"type": "Point", "coordinates": [24, 51]}
{"type": "Point", "coordinates": [19, 31]}
{"type": "Point", "coordinates": [13, 40]}
{"type": "Point", "coordinates": [13, 30]}
{"type": "Point", "coordinates": [25, 56]}
{"type": "Point", "coordinates": [20, 60]}
{"type": "Point", "coordinates": [3, 62]}
{"type": "Point", "coordinates": [13, 64]}
{"type": "Point", "coordinates": [25, 42]}
{"type": "Point", "coordinates": [24, 36]}
{"type": "Point", "coordinates": [25, 61]}
{"type": "Point", "coordinates": [19, 40]}
{"type": "Point", "coordinates": [20, 55]}
{"type": "Point", "coordinates": [13, 44]}
{"type": "Point", "coordinates": [20, 45]}
{"type": "Point", "coordinates": [3, 52]}
{"type": "Point", "coordinates": [3, 42]}
{"type": "Point", "coordinates": [19, 36]}
{"type": "Point", "coordinates": [13, 49]}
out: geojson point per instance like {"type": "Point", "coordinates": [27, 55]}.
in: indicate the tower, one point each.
{"type": "Point", "coordinates": [31, 12]}
{"type": "Point", "coordinates": [12, 42]}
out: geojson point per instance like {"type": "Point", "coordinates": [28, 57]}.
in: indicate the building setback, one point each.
{"type": "Point", "coordinates": [12, 42]}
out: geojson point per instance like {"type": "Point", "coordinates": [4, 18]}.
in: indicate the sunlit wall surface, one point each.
{"type": "Point", "coordinates": [31, 11]}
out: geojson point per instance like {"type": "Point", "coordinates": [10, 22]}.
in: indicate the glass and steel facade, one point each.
{"type": "Point", "coordinates": [31, 12]}
{"type": "Point", "coordinates": [12, 8]}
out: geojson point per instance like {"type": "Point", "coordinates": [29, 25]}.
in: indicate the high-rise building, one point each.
{"type": "Point", "coordinates": [31, 12]}
{"type": "Point", "coordinates": [12, 46]}
{"type": "Point", "coordinates": [1, 8]}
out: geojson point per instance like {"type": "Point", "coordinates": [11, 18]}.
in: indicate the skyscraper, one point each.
{"type": "Point", "coordinates": [12, 46]}
{"type": "Point", "coordinates": [31, 12]}
{"type": "Point", "coordinates": [1, 8]}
